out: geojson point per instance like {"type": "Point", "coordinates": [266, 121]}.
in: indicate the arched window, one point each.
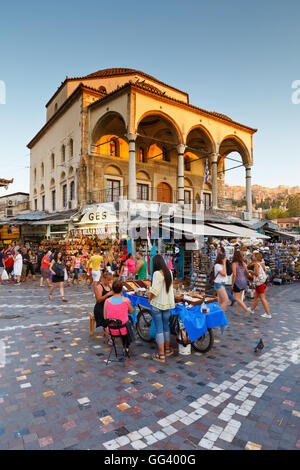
{"type": "Point", "coordinates": [71, 148]}
{"type": "Point", "coordinates": [63, 153]}
{"type": "Point", "coordinates": [102, 89]}
{"type": "Point", "coordinates": [187, 163]}
{"type": "Point", "coordinates": [52, 161]}
{"type": "Point", "coordinates": [42, 170]}
{"type": "Point", "coordinates": [113, 148]}
{"type": "Point", "coordinates": [165, 155]}
{"type": "Point", "coordinates": [142, 155]}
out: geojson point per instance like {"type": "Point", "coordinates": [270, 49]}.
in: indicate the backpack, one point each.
{"type": "Point", "coordinates": [261, 278]}
{"type": "Point", "coordinates": [228, 268]}
{"type": "Point", "coordinates": [59, 269]}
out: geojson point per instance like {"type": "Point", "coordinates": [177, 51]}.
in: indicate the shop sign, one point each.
{"type": "Point", "coordinates": [99, 215]}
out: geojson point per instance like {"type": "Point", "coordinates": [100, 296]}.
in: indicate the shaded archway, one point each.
{"type": "Point", "coordinates": [160, 135]}
{"type": "Point", "coordinates": [109, 136]}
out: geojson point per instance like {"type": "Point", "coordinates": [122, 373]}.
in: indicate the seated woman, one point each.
{"type": "Point", "coordinates": [118, 307]}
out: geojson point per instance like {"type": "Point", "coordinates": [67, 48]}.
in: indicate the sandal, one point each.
{"type": "Point", "coordinates": [63, 299]}
{"type": "Point", "coordinates": [169, 352]}
{"type": "Point", "coordinates": [159, 357]}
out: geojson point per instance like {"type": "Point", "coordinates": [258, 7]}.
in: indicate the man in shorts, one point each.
{"type": "Point", "coordinates": [95, 264]}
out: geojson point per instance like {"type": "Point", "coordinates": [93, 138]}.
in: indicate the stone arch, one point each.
{"type": "Point", "coordinates": [143, 175]}
{"type": "Point", "coordinates": [188, 183]}
{"type": "Point", "coordinates": [232, 143]}
{"type": "Point", "coordinates": [203, 136]}
{"type": "Point", "coordinates": [111, 122]}
{"type": "Point", "coordinates": [71, 171]}
{"type": "Point", "coordinates": [63, 176]}
{"type": "Point", "coordinates": [113, 170]}
{"type": "Point", "coordinates": [166, 118]}
{"type": "Point", "coordinates": [42, 189]}
{"type": "Point", "coordinates": [52, 182]}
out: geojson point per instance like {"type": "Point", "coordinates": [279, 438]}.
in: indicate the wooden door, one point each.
{"type": "Point", "coordinates": [164, 193]}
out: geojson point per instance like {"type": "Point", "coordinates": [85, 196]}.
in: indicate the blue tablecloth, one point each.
{"type": "Point", "coordinates": [195, 322]}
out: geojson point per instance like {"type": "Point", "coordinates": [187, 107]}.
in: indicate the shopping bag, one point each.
{"type": "Point", "coordinates": [4, 275]}
{"type": "Point", "coordinates": [65, 275]}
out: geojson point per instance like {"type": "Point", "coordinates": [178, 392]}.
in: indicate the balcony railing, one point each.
{"type": "Point", "coordinates": [144, 193]}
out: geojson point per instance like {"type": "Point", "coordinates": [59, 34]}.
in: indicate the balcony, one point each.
{"type": "Point", "coordinates": [144, 193]}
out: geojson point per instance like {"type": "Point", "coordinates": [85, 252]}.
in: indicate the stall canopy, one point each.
{"type": "Point", "coordinates": [243, 232]}
{"type": "Point", "coordinates": [197, 230]}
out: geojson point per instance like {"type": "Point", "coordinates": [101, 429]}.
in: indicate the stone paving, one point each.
{"type": "Point", "coordinates": [56, 391]}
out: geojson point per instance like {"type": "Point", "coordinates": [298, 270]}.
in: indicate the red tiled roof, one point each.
{"type": "Point", "coordinates": [146, 87]}
{"type": "Point", "coordinates": [114, 72]}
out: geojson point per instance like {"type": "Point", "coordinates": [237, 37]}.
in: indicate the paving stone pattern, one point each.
{"type": "Point", "coordinates": [57, 391]}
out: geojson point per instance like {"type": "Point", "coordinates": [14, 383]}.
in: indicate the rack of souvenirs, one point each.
{"type": "Point", "coordinates": [282, 262]}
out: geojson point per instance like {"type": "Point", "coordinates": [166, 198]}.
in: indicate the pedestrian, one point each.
{"type": "Point", "coordinates": [95, 263]}
{"type": "Point", "coordinates": [76, 267]}
{"type": "Point", "coordinates": [131, 265]}
{"type": "Point", "coordinates": [40, 255]}
{"type": "Point", "coordinates": [118, 307]}
{"type": "Point", "coordinates": [123, 270]}
{"type": "Point", "coordinates": [25, 262]}
{"type": "Point", "coordinates": [102, 291]}
{"type": "Point", "coordinates": [220, 277]}
{"type": "Point", "coordinates": [239, 281]}
{"type": "Point", "coordinates": [9, 264]}
{"type": "Point", "coordinates": [221, 249]}
{"type": "Point", "coordinates": [141, 267]}
{"type": "Point", "coordinates": [2, 263]}
{"type": "Point", "coordinates": [58, 269]}
{"type": "Point", "coordinates": [260, 278]}
{"type": "Point", "coordinates": [18, 265]}
{"type": "Point", "coordinates": [31, 261]}
{"type": "Point", "coordinates": [45, 271]}
{"type": "Point", "coordinates": [161, 299]}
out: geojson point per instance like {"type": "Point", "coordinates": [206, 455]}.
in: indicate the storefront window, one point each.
{"type": "Point", "coordinates": [207, 201]}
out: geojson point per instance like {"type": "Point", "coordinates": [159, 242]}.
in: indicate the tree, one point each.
{"type": "Point", "coordinates": [293, 205]}
{"type": "Point", "coordinates": [276, 213]}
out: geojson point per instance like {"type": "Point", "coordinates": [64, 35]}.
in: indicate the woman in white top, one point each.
{"type": "Point", "coordinates": [161, 299]}
{"type": "Point", "coordinates": [18, 265]}
{"type": "Point", "coordinates": [220, 277]}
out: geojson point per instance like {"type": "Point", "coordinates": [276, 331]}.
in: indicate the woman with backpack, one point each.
{"type": "Point", "coordinates": [58, 269]}
{"type": "Point", "coordinates": [239, 281]}
{"type": "Point", "coordinates": [260, 278]}
{"type": "Point", "coordinates": [220, 277]}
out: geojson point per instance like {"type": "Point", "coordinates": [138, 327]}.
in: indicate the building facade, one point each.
{"type": "Point", "coordinates": [120, 133]}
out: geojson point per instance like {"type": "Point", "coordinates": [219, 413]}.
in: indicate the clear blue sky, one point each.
{"type": "Point", "coordinates": [237, 58]}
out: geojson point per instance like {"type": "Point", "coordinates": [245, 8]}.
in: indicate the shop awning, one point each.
{"type": "Point", "coordinates": [243, 232]}
{"type": "Point", "coordinates": [287, 235]}
{"type": "Point", "coordinates": [197, 230]}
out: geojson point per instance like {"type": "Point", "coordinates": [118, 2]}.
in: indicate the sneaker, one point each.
{"type": "Point", "coordinates": [265, 315]}
{"type": "Point", "coordinates": [251, 311]}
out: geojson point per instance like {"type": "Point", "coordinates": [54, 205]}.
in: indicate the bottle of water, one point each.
{"type": "Point", "coordinates": [204, 307]}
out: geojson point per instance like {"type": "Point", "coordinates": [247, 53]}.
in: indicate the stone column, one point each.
{"type": "Point", "coordinates": [214, 178]}
{"type": "Point", "coordinates": [248, 190]}
{"type": "Point", "coordinates": [131, 168]}
{"type": "Point", "coordinates": [180, 150]}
